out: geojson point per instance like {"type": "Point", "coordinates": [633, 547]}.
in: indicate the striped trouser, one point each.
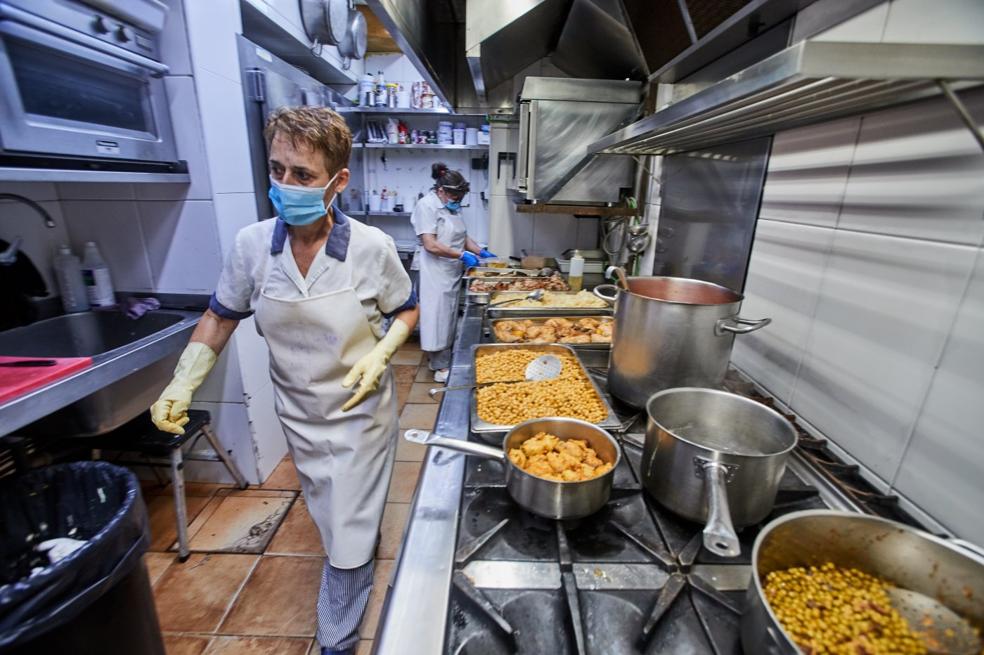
{"type": "Point", "coordinates": [341, 604]}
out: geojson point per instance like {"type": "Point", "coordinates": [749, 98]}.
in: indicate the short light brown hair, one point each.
{"type": "Point", "coordinates": [319, 127]}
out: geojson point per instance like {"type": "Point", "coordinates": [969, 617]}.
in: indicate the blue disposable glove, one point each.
{"type": "Point", "coordinates": [469, 258]}
{"type": "Point", "coordinates": [486, 253]}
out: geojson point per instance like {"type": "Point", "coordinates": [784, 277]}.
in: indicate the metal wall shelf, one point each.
{"type": "Point", "coordinates": [419, 146]}
{"type": "Point", "coordinates": [807, 83]}
{"type": "Point", "coordinates": [394, 111]}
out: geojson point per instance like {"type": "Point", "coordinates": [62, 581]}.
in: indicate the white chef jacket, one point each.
{"type": "Point", "coordinates": [380, 281]}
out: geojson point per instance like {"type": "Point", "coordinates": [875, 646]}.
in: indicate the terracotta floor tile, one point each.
{"type": "Point", "coordinates": [243, 522]}
{"type": "Point", "coordinates": [297, 535]}
{"type": "Point", "coordinates": [404, 373]}
{"type": "Point", "coordinates": [206, 489]}
{"type": "Point", "coordinates": [406, 358]}
{"type": "Point", "coordinates": [418, 393]}
{"type": "Point", "coordinates": [407, 451]}
{"type": "Point", "coordinates": [380, 580]}
{"type": "Point", "coordinates": [157, 563]}
{"type": "Point", "coordinates": [391, 530]}
{"type": "Point", "coordinates": [403, 482]}
{"type": "Point", "coordinates": [279, 599]}
{"type": "Point", "coordinates": [283, 477]}
{"type": "Point", "coordinates": [402, 393]}
{"type": "Point", "coordinates": [424, 374]}
{"type": "Point", "coordinates": [185, 644]}
{"type": "Point", "coordinates": [417, 415]}
{"type": "Point", "coordinates": [163, 528]}
{"type": "Point", "coordinates": [257, 646]}
{"type": "Point", "coordinates": [194, 596]}
{"type": "Point", "coordinates": [410, 344]}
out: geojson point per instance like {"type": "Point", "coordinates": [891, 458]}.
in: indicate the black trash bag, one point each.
{"type": "Point", "coordinates": [95, 502]}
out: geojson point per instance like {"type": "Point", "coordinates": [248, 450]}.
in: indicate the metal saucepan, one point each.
{"type": "Point", "coordinates": [554, 500]}
{"type": "Point", "coordinates": [715, 457]}
{"type": "Point", "coordinates": [942, 569]}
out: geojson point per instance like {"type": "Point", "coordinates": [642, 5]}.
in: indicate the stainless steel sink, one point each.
{"type": "Point", "coordinates": [132, 361]}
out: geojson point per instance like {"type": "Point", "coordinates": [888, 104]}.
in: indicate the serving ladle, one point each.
{"type": "Point", "coordinates": [544, 367]}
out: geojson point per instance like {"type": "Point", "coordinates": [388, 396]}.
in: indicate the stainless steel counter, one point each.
{"type": "Point", "coordinates": [106, 369]}
{"type": "Point", "coordinates": [415, 609]}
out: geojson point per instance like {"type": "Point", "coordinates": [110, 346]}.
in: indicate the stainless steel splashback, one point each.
{"type": "Point", "coordinates": [559, 118]}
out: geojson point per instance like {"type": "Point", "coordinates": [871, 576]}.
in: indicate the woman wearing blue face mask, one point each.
{"type": "Point", "coordinates": [445, 249]}
{"type": "Point", "coordinates": [319, 286]}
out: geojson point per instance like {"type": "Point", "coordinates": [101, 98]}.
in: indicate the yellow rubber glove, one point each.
{"type": "Point", "coordinates": [170, 412]}
{"type": "Point", "coordinates": [372, 365]}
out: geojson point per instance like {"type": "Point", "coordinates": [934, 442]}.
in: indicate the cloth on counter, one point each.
{"type": "Point", "coordinates": [342, 601]}
{"type": "Point", "coordinates": [137, 307]}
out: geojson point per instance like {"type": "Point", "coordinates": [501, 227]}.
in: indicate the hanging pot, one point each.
{"type": "Point", "coordinates": [325, 21]}
{"type": "Point", "coordinates": [353, 46]}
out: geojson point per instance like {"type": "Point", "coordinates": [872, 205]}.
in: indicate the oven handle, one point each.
{"type": "Point", "coordinates": [28, 21]}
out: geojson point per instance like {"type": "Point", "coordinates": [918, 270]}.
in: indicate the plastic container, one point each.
{"type": "Point", "coordinates": [575, 275]}
{"type": "Point", "coordinates": [392, 131]}
{"type": "Point", "coordinates": [366, 95]}
{"type": "Point", "coordinates": [403, 96]}
{"type": "Point", "coordinates": [445, 133]}
{"type": "Point", "coordinates": [96, 600]}
{"type": "Point", "coordinates": [471, 136]}
{"type": "Point", "coordinates": [458, 136]}
{"type": "Point", "coordinates": [68, 273]}
{"type": "Point", "coordinates": [95, 273]}
{"type": "Point", "coordinates": [484, 136]}
{"type": "Point", "coordinates": [374, 201]}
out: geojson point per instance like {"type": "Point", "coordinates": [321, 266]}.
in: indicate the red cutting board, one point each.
{"type": "Point", "coordinates": [15, 381]}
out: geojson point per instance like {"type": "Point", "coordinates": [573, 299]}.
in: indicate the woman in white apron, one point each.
{"type": "Point", "coordinates": [444, 250]}
{"type": "Point", "coordinates": [320, 286]}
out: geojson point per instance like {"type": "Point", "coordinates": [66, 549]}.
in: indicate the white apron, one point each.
{"type": "Point", "coordinates": [440, 280]}
{"type": "Point", "coordinates": [344, 460]}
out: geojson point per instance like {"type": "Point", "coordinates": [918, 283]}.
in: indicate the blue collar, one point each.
{"type": "Point", "coordinates": [338, 239]}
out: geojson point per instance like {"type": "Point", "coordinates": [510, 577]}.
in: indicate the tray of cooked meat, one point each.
{"type": "Point", "coordinates": [479, 290]}
{"type": "Point", "coordinates": [488, 271]}
{"type": "Point", "coordinates": [579, 332]}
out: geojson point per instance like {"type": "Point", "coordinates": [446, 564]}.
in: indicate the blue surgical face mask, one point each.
{"type": "Point", "coordinates": [299, 205]}
{"type": "Point", "coordinates": [453, 205]}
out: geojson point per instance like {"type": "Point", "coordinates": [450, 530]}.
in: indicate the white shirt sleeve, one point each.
{"type": "Point", "coordinates": [395, 289]}
{"type": "Point", "coordinates": [424, 218]}
{"type": "Point", "coordinates": [235, 286]}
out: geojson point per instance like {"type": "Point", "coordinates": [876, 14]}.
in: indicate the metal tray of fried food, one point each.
{"type": "Point", "coordinates": [610, 422]}
{"type": "Point", "coordinates": [540, 320]}
{"type": "Point", "coordinates": [511, 311]}
{"type": "Point", "coordinates": [480, 272]}
{"type": "Point", "coordinates": [482, 297]}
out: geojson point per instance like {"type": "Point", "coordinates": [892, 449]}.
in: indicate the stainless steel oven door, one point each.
{"type": "Point", "coordinates": [63, 93]}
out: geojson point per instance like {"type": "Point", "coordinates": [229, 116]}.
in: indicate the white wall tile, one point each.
{"type": "Point", "coordinates": [885, 307]}
{"type": "Point", "coordinates": [224, 383]}
{"type": "Point", "coordinates": [269, 442]}
{"type": "Point", "coordinates": [231, 424]}
{"type": "Point", "coordinates": [807, 173]}
{"type": "Point", "coordinates": [187, 123]}
{"type": "Point", "coordinates": [917, 172]}
{"type": "Point", "coordinates": [866, 27]}
{"type": "Point", "coordinates": [784, 275]}
{"type": "Point", "coordinates": [930, 21]}
{"type": "Point", "coordinates": [115, 226]}
{"type": "Point", "coordinates": [223, 121]}
{"type": "Point", "coordinates": [40, 243]}
{"type": "Point", "coordinates": [587, 233]}
{"type": "Point", "coordinates": [212, 27]}
{"type": "Point", "coordinates": [174, 40]}
{"type": "Point", "coordinates": [182, 245]}
{"type": "Point", "coordinates": [233, 212]}
{"type": "Point", "coordinates": [941, 471]}
{"type": "Point", "coordinates": [554, 233]}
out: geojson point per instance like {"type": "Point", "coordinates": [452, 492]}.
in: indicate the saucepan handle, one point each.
{"type": "Point", "coordinates": [719, 533]}
{"type": "Point", "coordinates": [738, 325]}
{"type": "Point", "coordinates": [609, 299]}
{"type": "Point", "coordinates": [436, 390]}
{"type": "Point", "coordinates": [430, 439]}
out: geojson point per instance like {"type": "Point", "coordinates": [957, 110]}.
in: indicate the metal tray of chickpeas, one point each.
{"type": "Point", "coordinates": [553, 303]}
{"type": "Point", "coordinates": [500, 407]}
{"type": "Point", "coordinates": [578, 332]}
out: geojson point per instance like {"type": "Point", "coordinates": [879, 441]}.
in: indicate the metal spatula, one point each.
{"type": "Point", "coordinates": [941, 629]}
{"type": "Point", "coordinates": [533, 295]}
{"type": "Point", "coordinates": [544, 367]}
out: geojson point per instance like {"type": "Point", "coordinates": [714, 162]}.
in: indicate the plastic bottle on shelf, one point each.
{"type": "Point", "coordinates": [392, 131]}
{"type": "Point", "coordinates": [95, 272]}
{"type": "Point", "coordinates": [458, 135]}
{"type": "Point", "coordinates": [366, 91]}
{"type": "Point", "coordinates": [385, 201]}
{"type": "Point", "coordinates": [68, 273]}
{"type": "Point", "coordinates": [575, 277]}
{"type": "Point", "coordinates": [374, 201]}
{"type": "Point", "coordinates": [379, 90]}
{"type": "Point", "coordinates": [445, 134]}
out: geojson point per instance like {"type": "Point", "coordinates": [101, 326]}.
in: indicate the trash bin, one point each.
{"type": "Point", "coordinates": [98, 598]}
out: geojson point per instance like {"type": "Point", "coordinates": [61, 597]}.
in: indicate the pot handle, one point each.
{"type": "Point", "coordinates": [608, 299]}
{"type": "Point", "coordinates": [973, 550]}
{"type": "Point", "coordinates": [430, 439]}
{"type": "Point", "coordinates": [742, 325]}
{"type": "Point", "coordinates": [719, 534]}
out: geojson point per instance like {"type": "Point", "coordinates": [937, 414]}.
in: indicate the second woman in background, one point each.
{"type": "Point", "coordinates": [445, 249]}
